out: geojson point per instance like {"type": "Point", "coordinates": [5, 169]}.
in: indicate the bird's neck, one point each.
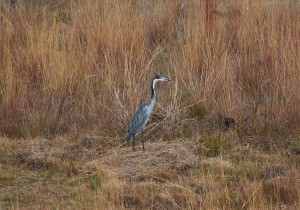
{"type": "Point", "coordinates": [153, 93]}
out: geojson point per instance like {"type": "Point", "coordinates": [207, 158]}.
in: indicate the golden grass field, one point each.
{"type": "Point", "coordinates": [73, 72]}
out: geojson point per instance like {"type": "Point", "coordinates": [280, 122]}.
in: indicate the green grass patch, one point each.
{"type": "Point", "coordinates": [248, 170]}
{"type": "Point", "coordinates": [7, 156]}
{"type": "Point", "coordinates": [198, 111]}
{"type": "Point", "coordinates": [214, 144]}
{"type": "Point", "coordinates": [7, 176]}
{"type": "Point", "coordinates": [95, 181]}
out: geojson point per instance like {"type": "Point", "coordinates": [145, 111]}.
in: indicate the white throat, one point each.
{"type": "Point", "coordinates": [154, 82]}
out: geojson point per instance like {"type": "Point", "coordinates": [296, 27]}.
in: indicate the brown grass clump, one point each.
{"type": "Point", "coordinates": [282, 189]}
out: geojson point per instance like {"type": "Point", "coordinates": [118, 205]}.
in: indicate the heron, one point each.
{"type": "Point", "coordinates": [141, 116]}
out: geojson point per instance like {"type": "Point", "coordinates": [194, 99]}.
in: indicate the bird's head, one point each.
{"type": "Point", "coordinates": [160, 79]}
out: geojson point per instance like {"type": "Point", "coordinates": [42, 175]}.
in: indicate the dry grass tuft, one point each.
{"type": "Point", "coordinates": [282, 189]}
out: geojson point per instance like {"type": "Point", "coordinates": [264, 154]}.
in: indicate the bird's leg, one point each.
{"type": "Point", "coordinates": [143, 140]}
{"type": "Point", "coordinates": [133, 143]}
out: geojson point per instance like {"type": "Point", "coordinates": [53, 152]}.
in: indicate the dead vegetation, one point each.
{"type": "Point", "coordinates": [176, 174]}
{"type": "Point", "coordinates": [64, 64]}
{"type": "Point", "coordinates": [224, 134]}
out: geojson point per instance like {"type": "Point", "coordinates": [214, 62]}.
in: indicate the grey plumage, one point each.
{"type": "Point", "coordinates": [141, 116]}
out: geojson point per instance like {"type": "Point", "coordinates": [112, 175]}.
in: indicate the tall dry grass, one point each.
{"type": "Point", "coordinates": [75, 65]}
